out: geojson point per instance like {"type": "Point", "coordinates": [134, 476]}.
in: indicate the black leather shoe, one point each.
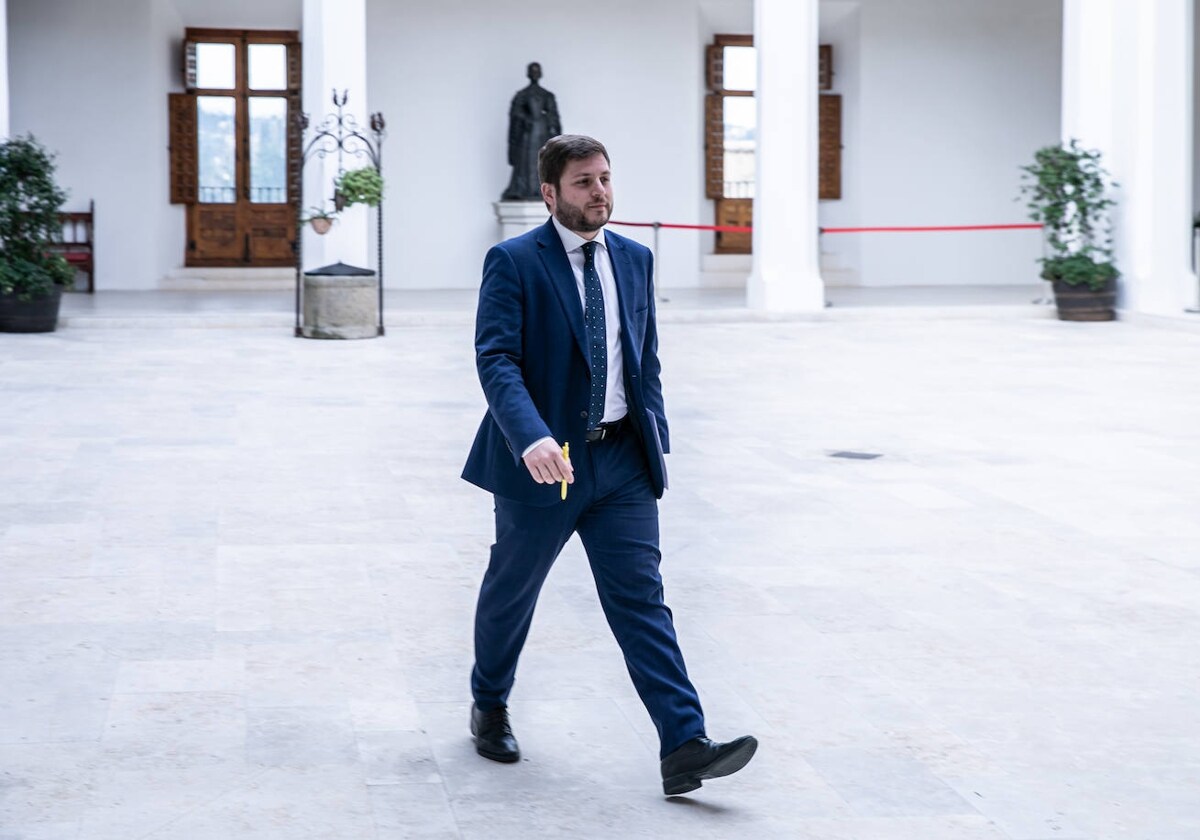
{"type": "Point", "coordinates": [700, 759]}
{"type": "Point", "coordinates": [493, 735]}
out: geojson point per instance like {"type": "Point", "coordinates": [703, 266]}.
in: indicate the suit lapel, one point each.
{"type": "Point", "coordinates": [562, 278]}
{"type": "Point", "coordinates": [623, 274]}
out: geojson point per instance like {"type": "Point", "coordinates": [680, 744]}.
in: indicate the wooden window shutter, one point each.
{"type": "Point", "coordinates": [714, 63]}
{"type": "Point", "coordinates": [295, 140]}
{"type": "Point", "coordinates": [825, 67]}
{"type": "Point", "coordinates": [184, 169]}
{"type": "Point", "coordinates": [189, 65]}
{"type": "Point", "coordinates": [293, 66]}
{"type": "Point", "coordinates": [830, 144]}
{"type": "Point", "coordinates": [295, 127]}
{"type": "Point", "coordinates": [714, 146]}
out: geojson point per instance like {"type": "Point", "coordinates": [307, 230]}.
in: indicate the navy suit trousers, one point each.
{"type": "Point", "coordinates": [612, 507]}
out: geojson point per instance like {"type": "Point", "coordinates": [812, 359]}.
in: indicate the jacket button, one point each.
{"type": "Point", "coordinates": [583, 414]}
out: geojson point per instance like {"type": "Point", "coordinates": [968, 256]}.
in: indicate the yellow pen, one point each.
{"type": "Point", "coordinates": [566, 457]}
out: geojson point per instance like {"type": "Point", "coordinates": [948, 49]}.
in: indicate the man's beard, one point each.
{"type": "Point", "coordinates": [573, 218]}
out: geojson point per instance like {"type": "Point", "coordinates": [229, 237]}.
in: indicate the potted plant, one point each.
{"type": "Point", "coordinates": [321, 220]}
{"type": "Point", "coordinates": [31, 278]}
{"type": "Point", "coordinates": [358, 186]}
{"type": "Point", "coordinates": [1067, 190]}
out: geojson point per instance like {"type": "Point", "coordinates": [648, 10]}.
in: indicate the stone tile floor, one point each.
{"type": "Point", "coordinates": [237, 572]}
{"type": "Point", "coordinates": [186, 309]}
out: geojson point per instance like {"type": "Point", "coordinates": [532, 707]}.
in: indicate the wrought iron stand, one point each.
{"type": "Point", "coordinates": [340, 134]}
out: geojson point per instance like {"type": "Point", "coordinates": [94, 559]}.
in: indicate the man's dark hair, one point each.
{"type": "Point", "coordinates": [561, 150]}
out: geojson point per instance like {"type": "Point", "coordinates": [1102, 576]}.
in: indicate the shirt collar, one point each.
{"type": "Point", "coordinates": [572, 241]}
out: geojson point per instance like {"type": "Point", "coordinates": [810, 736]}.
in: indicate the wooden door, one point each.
{"type": "Point", "coordinates": [235, 147]}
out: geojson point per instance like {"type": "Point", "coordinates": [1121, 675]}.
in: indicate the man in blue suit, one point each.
{"type": "Point", "coordinates": [567, 352]}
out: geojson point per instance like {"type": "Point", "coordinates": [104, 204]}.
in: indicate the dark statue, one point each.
{"type": "Point", "coordinates": [532, 120]}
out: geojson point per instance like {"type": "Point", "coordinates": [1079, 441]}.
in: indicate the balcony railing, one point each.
{"type": "Point", "coordinates": [258, 195]}
{"type": "Point", "coordinates": [739, 189]}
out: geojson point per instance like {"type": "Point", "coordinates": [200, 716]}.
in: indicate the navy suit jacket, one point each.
{"type": "Point", "coordinates": [531, 354]}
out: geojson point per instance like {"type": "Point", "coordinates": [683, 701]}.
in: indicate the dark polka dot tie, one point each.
{"type": "Point", "coordinates": [593, 321]}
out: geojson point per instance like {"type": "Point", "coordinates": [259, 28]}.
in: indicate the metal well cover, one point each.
{"type": "Point", "coordinates": [340, 269]}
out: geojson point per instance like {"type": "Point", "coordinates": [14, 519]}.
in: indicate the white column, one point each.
{"type": "Point", "coordinates": [4, 124]}
{"type": "Point", "coordinates": [786, 274]}
{"type": "Point", "coordinates": [1089, 73]}
{"type": "Point", "coordinates": [1158, 227]}
{"type": "Point", "coordinates": [1127, 90]}
{"type": "Point", "coordinates": [335, 57]}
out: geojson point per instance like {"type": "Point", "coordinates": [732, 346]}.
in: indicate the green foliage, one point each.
{"type": "Point", "coordinates": [29, 204]}
{"type": "Point", "coordinates": [360, 186]}
{"type": "Point", "coordinates": [1078, 269]}
{"type": "Point", "coordinates": [1066, 189]}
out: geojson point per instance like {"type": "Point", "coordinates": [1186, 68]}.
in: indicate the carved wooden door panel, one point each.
{"type": "Point", "coordinates": [214, 236]}
{"type": "Point", "coordinates": [734, 212]}
{"type": "Point", "coordinates": [235, 147]}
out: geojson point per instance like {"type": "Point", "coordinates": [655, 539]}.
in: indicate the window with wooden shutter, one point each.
{"type": "Point", "coordinates": [731, 135]}
{"type": "Point", "coordinates": [236, 146]}
{"type": "Point", "coordinates": [182, 144]}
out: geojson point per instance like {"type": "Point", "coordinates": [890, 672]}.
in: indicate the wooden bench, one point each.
{"type": "Point", "coordinates": [76, 243]}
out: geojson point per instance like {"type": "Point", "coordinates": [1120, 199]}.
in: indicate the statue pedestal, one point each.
{"type": "Point", "coordinates": [517, 217]}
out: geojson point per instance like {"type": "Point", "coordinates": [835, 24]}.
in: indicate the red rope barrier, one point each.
{"type": "Point", "coordinates": [721, 228]}
{"type": "Point", "coordinates": [740, 229]}
{"type": "Point", "coordinates": [929, 229]}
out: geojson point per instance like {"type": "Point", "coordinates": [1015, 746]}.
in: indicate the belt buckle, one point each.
{"type": "Point", "coordinates": [603, 431]}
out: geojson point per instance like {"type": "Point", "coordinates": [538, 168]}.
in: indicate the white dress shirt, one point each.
{"type": "Point", "coordinates": [615, 406]}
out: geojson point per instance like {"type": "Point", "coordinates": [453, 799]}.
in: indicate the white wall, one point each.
{"type": "Point", "coordinates": [83, 83]}
{"type": "Point", "coordinates": [3, 69]}
{"type": "Point", "coordinates": [444, 73]}
{"type": "Point", "coordinates": [238, 14]}
{"type": "Point", "coordinates": [841, 254]}
{"type": "Point", "coordinates": [942, 102]}
{"type": "Point", "coordinates": [955, 97]}
{"type": "Point", "coordinates": [1196, 114]}
{"type": "Point", "coordinates": [90, 80]}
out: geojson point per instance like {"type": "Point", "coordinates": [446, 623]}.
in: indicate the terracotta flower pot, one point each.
{"type": "Point", "coordinates": [320, 225]}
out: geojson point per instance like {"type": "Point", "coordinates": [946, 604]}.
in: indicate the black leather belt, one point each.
{"type": "Point", "coordinates": [604, 431]}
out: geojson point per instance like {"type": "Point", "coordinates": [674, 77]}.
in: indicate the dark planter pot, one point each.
{"type": "Point", "coordinates": [1083, 303]}
{"type": "Point", "coordinates": [30, 316]}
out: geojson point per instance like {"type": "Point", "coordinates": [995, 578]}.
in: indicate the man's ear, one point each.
{"type": "Point", "coordinates": [548, 196]}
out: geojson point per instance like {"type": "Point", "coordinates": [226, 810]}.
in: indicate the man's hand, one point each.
{"type": "Point", "coordinates": [547, 465]}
